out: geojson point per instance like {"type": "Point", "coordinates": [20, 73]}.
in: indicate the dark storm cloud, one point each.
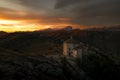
{"type": "Point", "coordinates": [66, 3]}
{"type": "Point", "coordinates": [44, 8]}
{"type": "Point", "coordinates": [91, 12]}
{"type": "Point", "coordinates": [7, 13]}
{"type": "Point", "coordinates": [37, 4]}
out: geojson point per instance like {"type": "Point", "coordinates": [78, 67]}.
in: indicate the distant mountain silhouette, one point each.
{"type": "Point", "coordinates": [68, 28]}
{"type": "Point", "coordinates": [105, 28]}
{"type": "Point", "coordinates": [2, 33]}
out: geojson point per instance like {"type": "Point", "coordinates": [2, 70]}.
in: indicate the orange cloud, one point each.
{"type": "Point", "coordinates": [24, 21]}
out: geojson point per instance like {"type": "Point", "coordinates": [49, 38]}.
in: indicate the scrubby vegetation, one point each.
{"type": "Point", "coordinates": [23, 56]}
{"type": "Point", "coordinates": [100, 67]}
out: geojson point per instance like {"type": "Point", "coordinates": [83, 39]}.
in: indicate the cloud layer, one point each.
{"type": "Point", "coordinates": [92, 12]}
{"type": "Point", "coordinates": [62, 12]}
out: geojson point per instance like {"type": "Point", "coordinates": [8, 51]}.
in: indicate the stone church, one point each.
{"type": "Point", "coordinates": [73, 48]}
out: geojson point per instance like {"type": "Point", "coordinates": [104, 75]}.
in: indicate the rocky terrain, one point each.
{"type": "Point", "coordinates": [16, 66]}
{"type": "Point", "coordinates": [24, 55]}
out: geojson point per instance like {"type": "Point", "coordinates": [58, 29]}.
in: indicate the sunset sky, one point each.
{"type": "Point", "coordinates": [30, 15]}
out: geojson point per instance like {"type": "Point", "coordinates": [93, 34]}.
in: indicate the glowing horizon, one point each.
{"type": "Point", "coordinates": [17, 25]}
{"type": "Point", "coordinates": [17, 28]}
{"type": "Point", "coordinates": [8, 22]}
{"type": "Point", "coordinates": [13, 26]}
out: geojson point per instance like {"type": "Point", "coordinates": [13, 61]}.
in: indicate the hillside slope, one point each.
{"type": "Point", "coordinates": [42, 42]}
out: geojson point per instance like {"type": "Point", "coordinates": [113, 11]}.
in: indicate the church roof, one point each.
{"type": "Point", "coordinates": [81, 46]}
{"type": "Point", "coordinates": [71, 40]}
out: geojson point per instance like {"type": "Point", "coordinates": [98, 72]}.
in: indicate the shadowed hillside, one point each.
{"type": "Point", "coordinates": [107, 41]}
{"type": "Point", "coordinates": [15, 66]}
{"type": "Point", "coordinates": [2, 33]}
{"type": "Point", "coordinates": [24, 55]}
